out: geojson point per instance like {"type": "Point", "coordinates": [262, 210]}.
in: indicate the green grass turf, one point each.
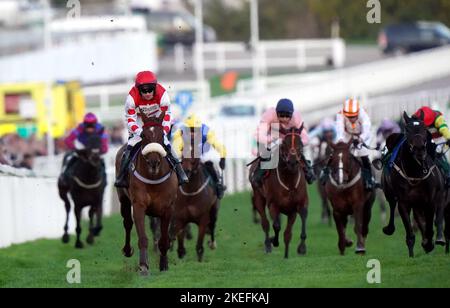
{"type": "Point", "coordinates": [239, 260]}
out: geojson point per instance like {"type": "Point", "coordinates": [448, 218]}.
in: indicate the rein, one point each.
{"type": "Point", "coordinates": [198, 190]}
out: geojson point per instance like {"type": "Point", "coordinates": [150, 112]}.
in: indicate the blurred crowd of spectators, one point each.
{"type": "Point", "coordinates": [20, 152]}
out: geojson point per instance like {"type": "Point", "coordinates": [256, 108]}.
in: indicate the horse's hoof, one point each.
{"type": "Point", "coordinates": [429, 247]}
{"type": "Point", "coordinates": [301, 250]}
{"type": "Point", "coordinates": [128, 253]}
{"type": "Point", "coordinates": [181, 253]}
{"type": "Point", "coordinates": [90, 239]}
{"type": "Point", "coordinates": [163, 264]}
{"type": "Point", "coordinates": [65, 239]}
{"type": "Point", "coordinates": [348, 243]}
{"type": "Point", "coordinates": [268, 249]}
{"type": "Point", "coordinates": [360, 251]}
{"type": "Point", "coordinates": [388, 230]}
{"type": "Point", "coordinates": [212, 245]}
{"type": "Point", "coordinates": [97, 231]}
{"type": "Point", "coordinates": [440, 242]}
{"type": "Point", "coordinates": [79, 245]}
{"type": "Point", "coordinates": [275, 242]}
{"type": "Point", "coordinates": [143, 270]}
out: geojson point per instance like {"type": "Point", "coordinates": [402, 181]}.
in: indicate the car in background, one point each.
{"type": "Point", "coordinates": [411, 37]}
{"type": "Point", "coordinates": [175, 26]}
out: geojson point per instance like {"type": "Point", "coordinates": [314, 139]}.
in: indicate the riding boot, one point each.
{"type": "Point", "coordinates": [324, 174]}
{"type": "Point", "coordinates": [445, 167]}
{"type": "Point", "coordinates": [121, 180]}
{"type": "Point", "coordinates": [309, 171]}
{"type": "Point", "coordinates": [369, 181]}
{"type": "Point", "coordinates": [220, 188]}
{"type": "Point", "coordinates": [258, 175]}
{"type": "Point", "coordinates": [176, 165]}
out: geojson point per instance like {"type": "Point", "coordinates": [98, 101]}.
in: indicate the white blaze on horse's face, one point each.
{"type": "Point", "coordinates": [154, 148]}
{"type": "Point", "coordinates": [341, 170]}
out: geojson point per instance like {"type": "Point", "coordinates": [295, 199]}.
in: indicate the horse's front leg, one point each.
{"type": "Point", "coordinates": [439, 222]}
{"type": "Point", "coordinates": [99, 213]}
{"type": "Point", "coordinates": [90, 237]}
{"type": "Point", "coordinates": [288, 233]}
{"type": "Point", "coordinates": [427, 241]}
{"type": "Point", "coordinates": [201, 236]}
{"type": "Point", "coordinates": [390, 228]}
{"type": "Point", "coordinates": [78, 243]}
{"type": "Point", "coordinates": [125, 211]}
{"type": "Point", "coordinates": [139, 220]}
{"type": "Point", "coordinates": [164, 242]}
{"type": "Point", "coordinates": [259, 203]}
{"type": "Point", "coordinates": [303, 212]}
{"type": "Point", "coordinates": [275, 214]}
{"type": "Point", "coordinates": [359, 225]}
{"type": "Point", "coordinates": [405, 212]}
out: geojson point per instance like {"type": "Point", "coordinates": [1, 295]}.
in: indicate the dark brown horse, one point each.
{"type": "Point", "coordinates": [345, 189]}
{"type": "Point", "coordinates": [152, 192]}
{"type": "Point", "coordinates": [323, 152]}
{"type": "Point", "coordinates": [414, 183]}
{"type": "Point", "coordinates": [196, 203]}
{"type": "Point", "coordinates": [283, 191]}
{"type": "Point", "coordinates": [86, 188]}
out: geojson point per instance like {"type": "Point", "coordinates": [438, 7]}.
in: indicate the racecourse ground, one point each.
{"type": "Point", "coordinates": [239, 260]}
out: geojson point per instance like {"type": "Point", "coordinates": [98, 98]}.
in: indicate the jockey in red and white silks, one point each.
{"type": "Point", "coordinates": [147, 97]}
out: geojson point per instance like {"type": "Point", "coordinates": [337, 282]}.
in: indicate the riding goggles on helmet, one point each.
{"type": "Point", "coordinates": [284, 115]}
{"type": "Point", "coordinates": [148, 88]}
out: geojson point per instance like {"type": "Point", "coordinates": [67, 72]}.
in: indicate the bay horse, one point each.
{"type": "Point", "coordinates": [346, 192]}
{"type": "Point", "coordinates": [283, 191]}
{"type": "Point", "coordinates": [197, 203]}
{"type": "Point", "coordinates": [414, 184]}
{"type": "Point", "coordinates": [86, 188]}
{"type": "Point", "coordinates": [152, 192]}
{"type": "Point", "coordinates": [322, 154]}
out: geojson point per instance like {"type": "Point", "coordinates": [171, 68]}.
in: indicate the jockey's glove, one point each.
{"type": "Point", "coordinates": [448, 142]}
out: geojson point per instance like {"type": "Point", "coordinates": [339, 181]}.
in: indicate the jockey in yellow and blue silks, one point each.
{"type": "Point", "coordinates": [440, 134]}
{"type": "Point", "coordinates": [193, 130]}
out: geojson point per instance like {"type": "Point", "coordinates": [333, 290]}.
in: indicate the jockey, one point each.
{"type": "Point", "coordinates": [438, 128]}
{"type": "Point", "coordinates": [77, 139]}
{"type": "Point", "coordinates": [320, 135]}
{"type": "Point", "coordinates": [386, 128]}
{"type": "Point", "coordinates": [285, 116]}
{"type": "Point", "coordinates": [354, 123]}
{"type": "Point", "coordinates": [326, 126]}
{"type": "Point", "coordinates": [147, 96]}
{"type": "Point", "coordinates": [193, 130]}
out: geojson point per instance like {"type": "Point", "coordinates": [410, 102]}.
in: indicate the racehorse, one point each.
{"type": "Point", "coordinates": [414, 182]}
{"type": "Point", "coordinates": [196, 203]}
{"type": "Point", "coordinates": [346, 192]}
{"type": "Point", "coordinates": [283, 191]}
{"type": "Point", "coordinates": [323, 152]}
{"type": "Point", "coordinates": [86, 188]}
{"type": "Point", "coordinates": [152, 191]}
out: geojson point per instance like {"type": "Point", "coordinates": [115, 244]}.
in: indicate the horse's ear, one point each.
{"type": "Point", "coordinates": [406, 117]}
{"type": "Point", "coordinates": [422, 116]}
{"type": "Point", "coordinates": [161, 117]}
{"type": "Point", "coordinates": [302, 127]}
{"type": "Point", "coordinates": [144, 117]}
{"type": "Point", "coordinates": [349, 143]}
